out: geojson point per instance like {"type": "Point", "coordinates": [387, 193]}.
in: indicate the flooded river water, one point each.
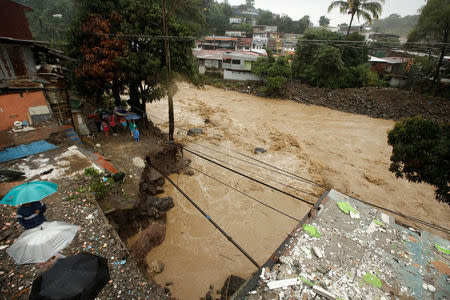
{"type": "Point", "coordinates": [343, 151]}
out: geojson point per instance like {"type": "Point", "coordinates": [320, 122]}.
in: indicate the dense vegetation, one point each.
{"type": "Point", "coordinates": [395, 24]}
{"type": "Point", "coordinates": [332, 64]}
{"type": "Point", "coordinates": [274, 72]}
{"type": "Point", "coordinates": [421, 153]}
{"type": "Point", "coordinates": [133, 61]}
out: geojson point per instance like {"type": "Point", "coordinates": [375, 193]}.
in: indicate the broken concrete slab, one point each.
{"type": "Point", "coordinates": [367, 258]}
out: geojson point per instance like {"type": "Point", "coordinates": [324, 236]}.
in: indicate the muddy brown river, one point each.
{"type": "Point", "coordinates": [343, 151]}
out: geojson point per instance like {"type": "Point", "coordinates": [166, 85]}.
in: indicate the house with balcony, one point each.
{"type": "Point", "coordinates": [217, 42]}
{"type": "Point", "coordinates": [238, 65]}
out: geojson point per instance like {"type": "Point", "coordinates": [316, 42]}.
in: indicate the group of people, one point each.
{"type": "Point", "coordinates": [117, 124]}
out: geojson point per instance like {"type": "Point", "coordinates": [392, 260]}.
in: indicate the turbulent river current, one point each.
{"type": "Point", "coordinates": [347, 152]}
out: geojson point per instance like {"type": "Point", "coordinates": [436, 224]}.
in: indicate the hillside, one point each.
{"type": "Point", "coordinates": [395, 24]}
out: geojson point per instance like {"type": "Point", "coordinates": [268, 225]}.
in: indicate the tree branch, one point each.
{"type": "Point", "coordinates": [176, 7]}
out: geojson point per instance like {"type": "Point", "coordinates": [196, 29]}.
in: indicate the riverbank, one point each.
{"type": "Point", "coordinates": [375, 102]}
{"type": "Point", "coordinates": [74, 205]}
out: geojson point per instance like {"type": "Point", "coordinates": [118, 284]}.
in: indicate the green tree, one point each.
{"type": "Point", "coordinates": [50, 19]}
{"type": "Point", "coordinates": [434, 25]}
{"type": "Point", "coordinates": [303, 24]}
{"type": "Point", "coordinates": [148, 68]}
{"type": "Point", "coordinates": [324, 21]}
{"type": "Point", "coordinates": [265, 17]}
{"type": "Point", "coordinates": [273, 71]}
{"type": "Point", "coordinates": [421, 153]}
{"type": "Point", "coordinates": [368, 10]}
{"type": "Point", "coordinates": [334, 64]}
{"type": "Point", "coordinates": [250, 3]}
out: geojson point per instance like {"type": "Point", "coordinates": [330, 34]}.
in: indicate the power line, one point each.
{"type": "Point", "coordinates": [437, 227]}
{"type": "Point", "coordinates": [241, 192]}
{"type": "Point", "coordinates": [277, 169]}
{"type": "Point", "coordinates": [191, 38]}
{"type": "Point", "coordinates": [283, 184]}
{"type": "Point", "coordinates": [251, 178]}
{"type": "Point", "coordinates": [207, 216]}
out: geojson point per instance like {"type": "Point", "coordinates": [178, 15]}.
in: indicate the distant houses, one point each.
{"type": "Point", "coordinates": [230, 65]}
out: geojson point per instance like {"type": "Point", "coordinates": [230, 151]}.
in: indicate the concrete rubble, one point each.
{"type": "Point", "coordinates": [367, 257]}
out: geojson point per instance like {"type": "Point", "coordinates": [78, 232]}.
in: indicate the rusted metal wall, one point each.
{"type": "Point", "coordinates": [16, 62]}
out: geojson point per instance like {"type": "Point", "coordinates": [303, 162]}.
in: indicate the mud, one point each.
{"type": "Point", "coordinates": [347, 152]}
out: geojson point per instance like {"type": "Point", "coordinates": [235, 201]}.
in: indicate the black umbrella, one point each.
{"type": "Point", "coordinates": [78, 277]}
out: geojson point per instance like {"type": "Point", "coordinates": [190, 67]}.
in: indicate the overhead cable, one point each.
{"type": "Point", "coordinates": [207, 216]}
{"type": "Point", "coordinates": [253, 173]}
{"type": "Point", "coordinates": [277, 169]}
{"type": "Point", "coordinates": [246, 195]}
{"type": "Point", "coordinates": [251, 178]}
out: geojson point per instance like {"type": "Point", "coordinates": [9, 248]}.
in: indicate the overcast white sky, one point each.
{"type": "Point", "coordinates": [316, 8]}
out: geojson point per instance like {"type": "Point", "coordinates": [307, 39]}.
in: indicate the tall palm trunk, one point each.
{"type": "Point", "coordinates": [350, 25]}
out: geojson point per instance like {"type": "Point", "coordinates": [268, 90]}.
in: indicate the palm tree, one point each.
{"type": "Point", "coordinates": [368, 10]}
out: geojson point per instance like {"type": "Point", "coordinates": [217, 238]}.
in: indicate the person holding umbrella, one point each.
{"type": "Point", "coordinates": [28, 195]}
{"type": "Point", "coordinates": [31, 215]}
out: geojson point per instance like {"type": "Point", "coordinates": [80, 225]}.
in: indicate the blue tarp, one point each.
{"type": "Point", "coordinates": [25, 150]}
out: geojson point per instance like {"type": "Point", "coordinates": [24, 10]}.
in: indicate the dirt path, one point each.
{"type": "Point", "coordinates": [343, 151]}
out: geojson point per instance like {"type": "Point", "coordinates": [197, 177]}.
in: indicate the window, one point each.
{"type": "Point", "coordinates": [227, 60]}
{"type": "Point", "coordinates": [236, 62]}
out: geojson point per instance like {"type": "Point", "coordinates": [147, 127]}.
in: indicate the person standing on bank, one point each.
{"type": "Point", "coordinates": [133, 126]}
{"type": "Point", "coordinates": [31, 214]}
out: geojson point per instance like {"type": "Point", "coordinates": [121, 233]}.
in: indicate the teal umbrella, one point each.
{"type": "Point", "coordinates": [29, 192]}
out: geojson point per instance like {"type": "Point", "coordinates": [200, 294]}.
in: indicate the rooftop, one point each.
{"type": "Point", "coordinates": [350, 250]}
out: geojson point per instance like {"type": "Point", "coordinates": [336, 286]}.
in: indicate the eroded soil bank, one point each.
{"type": "Point", "coordinates": [344, 151]}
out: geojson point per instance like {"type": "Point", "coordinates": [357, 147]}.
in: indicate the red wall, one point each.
{"type": "Point", "coordinates": [13, 22]}
{"type": "Point", "coordinates": [14, 107]}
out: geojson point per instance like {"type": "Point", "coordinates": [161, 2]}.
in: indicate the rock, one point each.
{"type": "Point", "coordinates": [156, 267]}
{"type": "Point", "coordinates": [152, 202]}
{"type": "Point", "coordinates": [232, 284]}
{"type": "Point", "coordinates": [195, 131]}
{"type": "Point", "coordinates": [189, 172]}
{"type": "Point", "coordinates": [151, 237]}
{"type": "Point", "coordinates": [259, 150]}
{"type": "Point", "coordinates": [139, 162]}
{"type": "Point", "coordinates": [207, 120]}
{"type": "Point", "coordinates": [431, 288]}
{"type": "Point", "coordinates": [169, 283]}
{"type": "Point", "coordinates": [208, 296]}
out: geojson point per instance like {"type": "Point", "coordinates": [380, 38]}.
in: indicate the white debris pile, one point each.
{"type": "Point", "coordinates": [44, 166]}
{"type": "Point", "coordinates": [342, 254]}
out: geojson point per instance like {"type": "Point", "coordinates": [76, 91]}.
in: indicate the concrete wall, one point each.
{"type": "Point", "coordinates": [239, 75]}
{"type": "Point", "coordinates": [14, 107]}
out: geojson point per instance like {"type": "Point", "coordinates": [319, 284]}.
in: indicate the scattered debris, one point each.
{"type": "Point", "coordinates": [194, 131]}
{"type": "Point", "coordinates": [139, 162]}
{"type": "Point", "coordinates": [259, 150]}
{"type": "Point", "coordinates": [311, 230]}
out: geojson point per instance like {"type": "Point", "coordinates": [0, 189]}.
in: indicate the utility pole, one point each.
{"type": "Point", "coordinates": [169, 70]}
{"type": "Point", "coordinates": [165, 19]}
